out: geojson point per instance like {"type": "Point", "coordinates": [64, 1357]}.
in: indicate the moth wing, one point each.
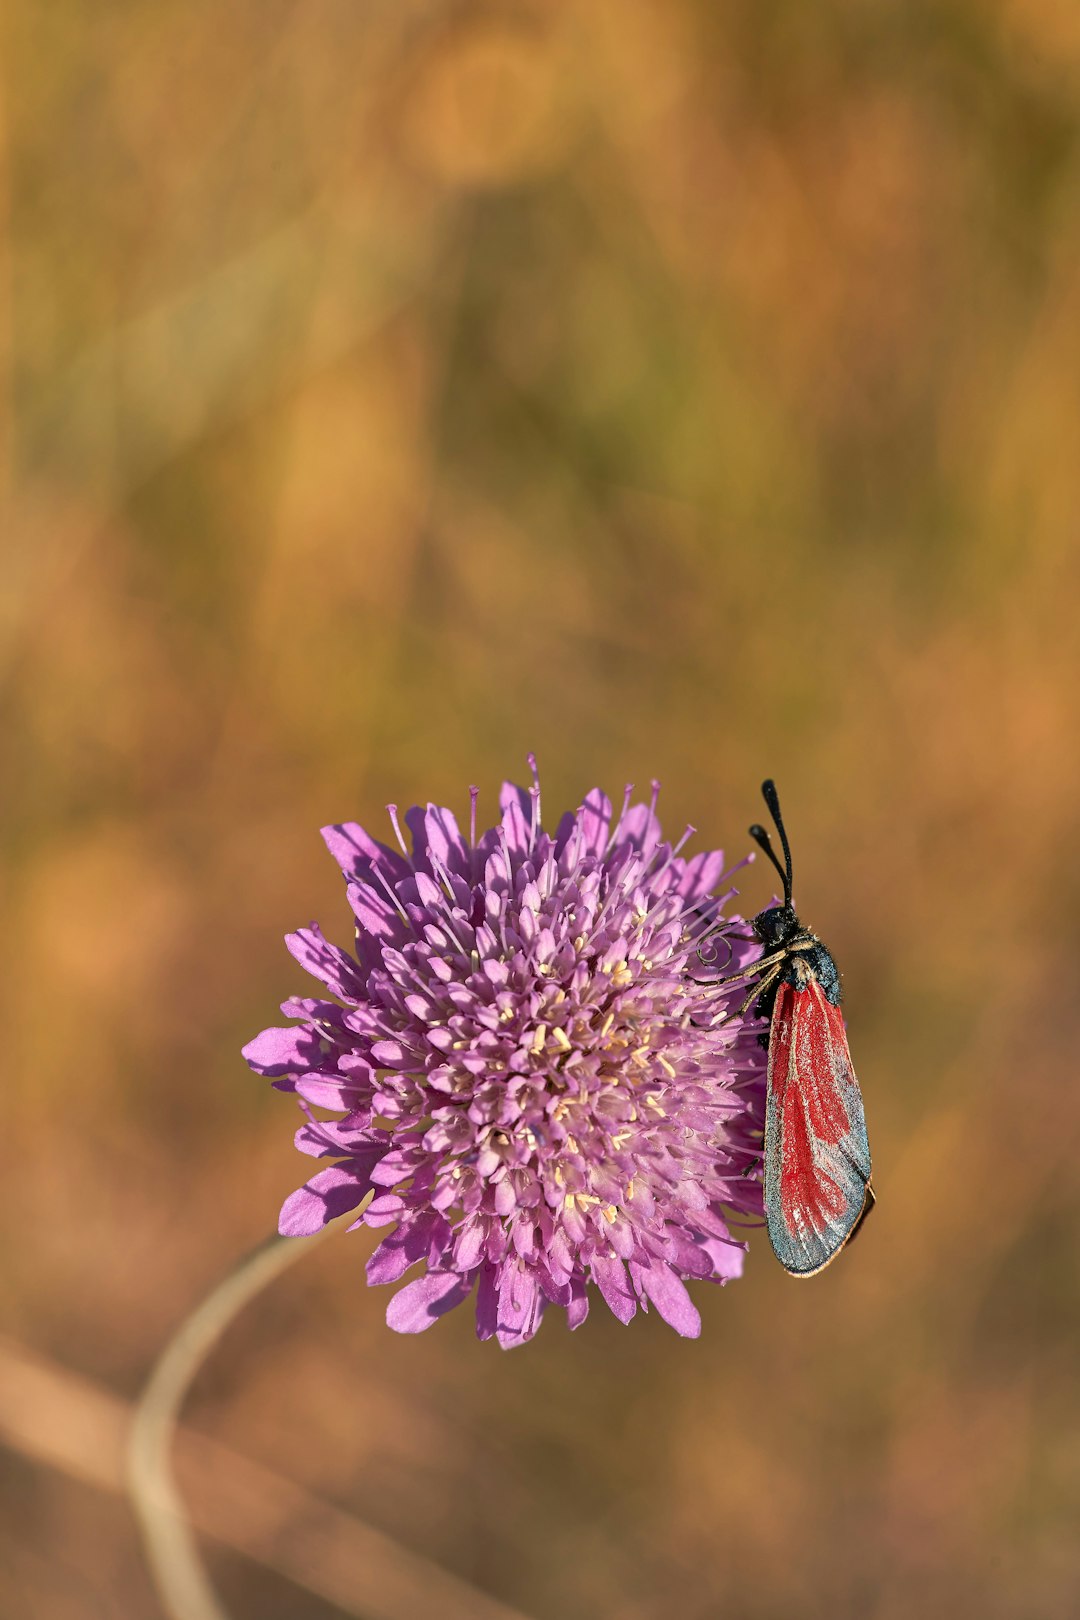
{"type": "Point", "coordinates": [817, 1157]}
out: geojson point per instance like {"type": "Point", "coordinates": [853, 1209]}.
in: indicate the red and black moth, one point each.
{"type": "Point", "coordinates": [817, 1157]}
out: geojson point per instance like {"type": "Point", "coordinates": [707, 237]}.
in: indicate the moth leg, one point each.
{"type": "Point", "coordinates": [755, 990]}
{"type": "Point", "coordinates": [751, 967]}
{"type": "Point", "coordinates": [785, 950]}
{"type": "Point", "coordinates": [762, 985]}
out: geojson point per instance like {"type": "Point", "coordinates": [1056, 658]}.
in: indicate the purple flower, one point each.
{"type": "Point", "coordinates": [540, 1087]}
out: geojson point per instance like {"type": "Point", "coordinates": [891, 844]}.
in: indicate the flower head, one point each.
{"type": "Point", "coordinates": [540, 1086]}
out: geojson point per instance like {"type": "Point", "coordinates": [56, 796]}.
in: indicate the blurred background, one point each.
{"type": "Point", "coordinates": [673, 388]}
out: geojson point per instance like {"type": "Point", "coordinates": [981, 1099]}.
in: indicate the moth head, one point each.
{"type": "Point", "coordinates": [775, 925]}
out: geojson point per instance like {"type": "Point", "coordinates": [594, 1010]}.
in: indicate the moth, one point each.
{"type": "Point", "coordinates": [816, 1153]}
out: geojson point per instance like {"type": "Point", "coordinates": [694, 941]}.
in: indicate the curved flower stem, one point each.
{"type": "Point", "coordinates": [171, 1549]}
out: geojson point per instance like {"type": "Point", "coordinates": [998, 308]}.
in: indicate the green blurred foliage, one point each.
{"type": "Point", "coordinates": [673, 388]}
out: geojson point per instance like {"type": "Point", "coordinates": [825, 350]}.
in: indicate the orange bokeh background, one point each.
{"type": "Point", "coordinates": [674, 389]}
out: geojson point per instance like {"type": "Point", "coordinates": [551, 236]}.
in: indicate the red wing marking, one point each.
{"type": "Point", "coordinates": [808, 1194]}
{"type": "Point", "coordinates": [817, 1160]}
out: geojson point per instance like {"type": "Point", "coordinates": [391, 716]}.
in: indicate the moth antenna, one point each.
{"type": "Point", "coordinates": [769, 794]}
{"type": "Point", "coordinates": [761, 838]}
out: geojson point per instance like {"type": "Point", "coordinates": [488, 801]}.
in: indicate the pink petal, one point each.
{"type": "Point", "coordinates": [373, 912]}
{"type": "Point", "coordinates": [435, 833]}
{"type": "Point", "coordinates": [516, 823]}
{"type": "Point", "coordinates": [671, 1299]}
{"type": "Point", "coordinates": [356, 852]}
{"type": "Point", "coordinates": [390, 1054]}
{"type": "Point", "coordinates": [327, 962]}
{"type": "Point", "coordinates": [326, 1196]}
{"type": "Point", "coordinates": [396, 1253]}
{"type": "Point", "coordinates": [609, 1275]}
{"type": "Point", "coordinates": [328, 1090]}
{"type": "Point", "coordinates": [641, 828]}
{"type": "Point", "coordinates": [701, 875]}
{"type": "Point", "coordinates": [428, 893]}
{"type": "Point", "coordinates": [284, 1051]}
{"type": "Point", "coordinates": [728, 1258]}
{"type": "Point", "coordinates": [594, 818]}
{"type": "Point", "coordinates": [469, 1246]}
{"type": "Point", "coordinates": [687, 1255]}
{"type": "Point", "coordinates": [521, 1306]}
{"type": "Point", "coordinates": [578, 1308]}
{"type": "Point", "coordinates": [384, 1208]}
{"type": "Point", "coordinates": [510, 794]}
{"type": "Point", "coordinates": [340, 1139]}
{"type": "Point", "coordinates": [487, 1303]}
{"type": "Point", "coordinates": [565, 831]}
{"type": "Point", "coordinates": [419, 1304]}
{"type": "Point", "coordinates": [394, 1166]}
